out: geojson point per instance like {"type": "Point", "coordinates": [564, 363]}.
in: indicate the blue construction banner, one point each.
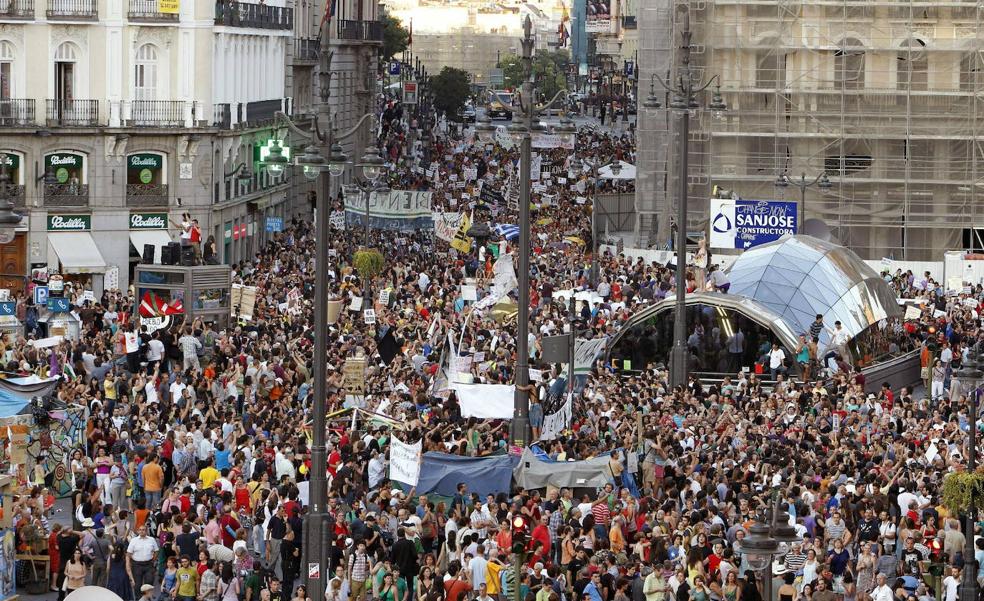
{"type": "Point", "coordinates": [742, 224]}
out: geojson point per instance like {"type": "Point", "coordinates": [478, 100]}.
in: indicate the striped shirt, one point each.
{"type": "Point", "coordinates": [795, 561]}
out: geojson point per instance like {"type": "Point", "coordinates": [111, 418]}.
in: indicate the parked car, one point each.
{"type": "Point", "coordinates": [468, 114]}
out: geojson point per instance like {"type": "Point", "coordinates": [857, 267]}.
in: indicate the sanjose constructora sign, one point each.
{"type": "Point", "coordinates": [148, 221]}
{"type": "Point", "coordinates": [69, 223]}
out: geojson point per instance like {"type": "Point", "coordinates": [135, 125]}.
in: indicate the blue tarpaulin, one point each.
{"type": "Point", "coordinates": [440, 473]}
{"type": "Point", "coordinates": [16, 393]}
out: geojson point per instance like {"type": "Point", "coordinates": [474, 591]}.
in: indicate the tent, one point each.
{"type": "Point", "coordinates": [440, 473]}
{"type": "Point", "coordinates": [536, 471]}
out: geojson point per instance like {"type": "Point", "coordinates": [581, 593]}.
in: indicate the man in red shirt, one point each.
{"type": "Point", "coordinates": [334, 460]}
{"type": "Point", "coordinates": [541, 533]}
{"type": "Point", "coordinates": [229, 525]}
{"type": "Point", "coordinates": [457, 587]}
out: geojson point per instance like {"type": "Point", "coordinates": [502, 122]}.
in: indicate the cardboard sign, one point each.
{"type": "Point", "coordinates": [369, 317]}
{"type": "Point", "coordinates": [354, 373]}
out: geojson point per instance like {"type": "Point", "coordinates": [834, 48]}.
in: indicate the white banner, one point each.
{"type": "Point", "coordinates": [585, 353]}
{"type": "Point", "coordinates": [485, 401]}
{"type": "Point", "coordinates": [405, 461]}
{"type": "Point", "coordinates": [552, 141]}
{"type": "Point", "coordinates": [505, 275]}
{"type": "Point", "coordinates": [397, 209]}
{"type": "Point", "coordinates": [337, 220]}
{"type": "Point", "coordinates": [555, 423]}
{"type": "Point", "coordinates": [446, 225]}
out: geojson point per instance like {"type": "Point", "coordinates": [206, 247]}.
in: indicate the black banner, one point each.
{"type": "Point", "coordinates": [492, 196]}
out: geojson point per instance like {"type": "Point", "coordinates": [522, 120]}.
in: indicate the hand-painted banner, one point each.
{"type": "Point", "coordinates": [446, 225]}
{"type": "Point", "coordinates": [555, 423]}
{"type": "Point", "coordinates": [405, 461]}
{"type": "Point", "coordinates": [585, 353]}
{"type": "Point", "coordinates": [403, 210]}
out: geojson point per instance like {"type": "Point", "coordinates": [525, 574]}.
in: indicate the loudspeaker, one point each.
{"type": "Point", "coordinates": [188, 256]}
{"type": "Point", "coordinates": [171, 254]}
{"type": "Point", "coordinates": [148, 254]}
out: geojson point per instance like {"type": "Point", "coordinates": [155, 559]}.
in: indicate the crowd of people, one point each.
{"type": "Point", "coordinates": [193, 482]}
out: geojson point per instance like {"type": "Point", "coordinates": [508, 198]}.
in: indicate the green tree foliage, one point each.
{"type": "Point", "coordinates": [549, 68]}
{"type": "Point", "coordinates": [395, 36]}
{"type": "Point", "coordinates": [368, 262]}
{"type": "Point", "coordinates": [450, 89]}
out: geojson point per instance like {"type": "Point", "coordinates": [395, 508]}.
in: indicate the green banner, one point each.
{"type": "Point", "coordinates": [144, 161]}
{"type": "Point", "coordinates": [69, 223]}
{"type": "Point", "coordinates": [148, 221]}
{"type": "Point", "coordinates": [64, 159]}
{"type": "Point", "coordinates": [12, 160]}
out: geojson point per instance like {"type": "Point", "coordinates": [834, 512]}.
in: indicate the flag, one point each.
{"type": "Point", "coordinates": [507, 231]}
{"type": "Point", "coordinates": [329, 12]}
{"type": "Point", "coordinates": [562, 32]}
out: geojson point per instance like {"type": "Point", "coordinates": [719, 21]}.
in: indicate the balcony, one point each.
{"type": "Point", "coordinates": [307, 51]}
{"type": "Point", "coordinates": [360, 31]}
{"type": "Point", "coordinates": [262, 112]}
{"type": "Point", "coordinates": [17, 9]}
{"type": "Point", "coordinates": [158, 113]}
{"type": "Point", "coordinates": [149, 11]}
{"type": "Point", "coordinates": [17, 112]}
{"type": "Point", "coordinates": [146, 195]}
{"type": "Point", "coordinates": [259, 16]}
{"type": "Point", "coordinates": [66, 195]}
{"type": "Point", "coordinates": [222, 116]}
{"type": "Point", "coordinates": [71, 112]}
{"type": "Point", "coordinates": [15, 194]}
{"type": "Point", "coordinates": [73, 10]}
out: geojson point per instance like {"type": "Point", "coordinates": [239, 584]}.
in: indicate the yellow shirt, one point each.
{"type": "Point", "coordinates": [109, 389]}
{"type": "Point", "coordinates": [492, 577]}
{"type": "Point", "coordinates": [208, 476]}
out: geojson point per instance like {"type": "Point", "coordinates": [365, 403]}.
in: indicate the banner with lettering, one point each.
{"type": "Point", "coordinates": [405, 461]}
{"type": "Point", "coordinates": [401, 210]}
{"type": "Point", "coordinates": [446, 225]}
{"type": "Point", "coordinates": [555, 423]}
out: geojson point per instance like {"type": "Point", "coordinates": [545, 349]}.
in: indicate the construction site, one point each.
{"type": "Point", "coordinates": [882, 97]}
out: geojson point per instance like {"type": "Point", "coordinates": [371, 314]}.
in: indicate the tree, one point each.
{"type": "Point", "coordinates": [549, 68]}
{"type": "Point", "coordinates": [450, 89]}
{"type": "Point", "coordinates": [395, 36]}
{"type": "Point", "coordinates": [368, 262]}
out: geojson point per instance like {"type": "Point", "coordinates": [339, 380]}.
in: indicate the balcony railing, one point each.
{"type": "Point", "coordinates": [146, 195]}
{"type": "Point", "coordinates": [307, 50]}
{"type": "Point", "coordinates": [262, 112]}
{"type": "Point", "coordinates": [364, 31]}
{"type": "Point", "coordinates": [71, 112]}
{"type": "Point", "coordinates": [149, 10]}
{"type": "Point", "coordinates": [17, 112]}
{"type": "Point", "coordinates": [66, 195]}
{"type": "Point", "coordinates": [156, 113]}
{"type": "Point", "coordinates": [73, 9]}
{"type": "Point", "coordinates": [15, 193]}
{"type": "Point", "coordinates": [16, 9]}
{"type": "Point", "coordinates": [222, 116]}
{"type": "Point", "coordinates": [246, 14]}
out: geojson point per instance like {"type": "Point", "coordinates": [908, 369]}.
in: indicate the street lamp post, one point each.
{"type": "Point", "coordinates": [765, 542]}
{"type": "Point", "coordinates": [522, 130]}
{"type": "Point", "coordinates": [821, 181]}
{"type": "Point", "coordinates": [684, 91]}
{"type": "Point", "coordinates": [319, 524]}
{"type": "Point", "coordinates": [970, 376]}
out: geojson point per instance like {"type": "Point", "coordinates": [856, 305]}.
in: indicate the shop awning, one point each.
{"type": "Point", "coordinates": [77, 252]}
{"type": "Point", "coordinates": [158, 238]}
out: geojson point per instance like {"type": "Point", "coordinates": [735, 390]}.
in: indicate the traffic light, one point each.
{"type": "Point", "coordinates": [520, 534]}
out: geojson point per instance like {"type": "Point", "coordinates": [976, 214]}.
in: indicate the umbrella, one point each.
{"type": "Point", "coordinates": [617, 170]}
{"type": "Point", "coordinates": [92, 593]}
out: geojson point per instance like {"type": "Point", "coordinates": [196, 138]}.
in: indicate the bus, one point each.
{"type": "Point", "coordinates": [500, 104]}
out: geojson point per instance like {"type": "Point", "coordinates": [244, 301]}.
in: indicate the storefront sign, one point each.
{"type": "Point", "coordinates": [11, 160]}
{"type": "Point", "coordinates": [168, 7]}
{"type": "Point", "coordinates": [69, 223]}
{"type": "Point", "coordinates": [145, 165]}
{"type": "Point", "coordinates": [148, 221]}
{"type": "Point", "coordinates": [274, 224]}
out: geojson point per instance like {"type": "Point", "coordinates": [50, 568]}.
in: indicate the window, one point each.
{"type": "Point", "coordinates": [770, 67]}
{"type": "Point", "coordinates": [66, 56]}
{"type": "Point", "coordinates": [849, 65]}
{"type": "Point", "coordinates": [971, 71]}
{"type": "Point", "coordinates": [913, 66]}
{"type": "Point", "coordinates": [145, 73]}
{"type": "Point", "coordinates": [6, 69]}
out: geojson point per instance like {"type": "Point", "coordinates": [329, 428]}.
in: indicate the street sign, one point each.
{"type": "Point", "coordinates": [274, 224]}
{"type": "Point", "coordinates": [409, 92]}
{"type": "Point", "coordinates": [58, 305]}
{"type": "Point", "coordinates": [8, 308]}
{"type": "Point", "coordinates": [394, 68]}
{"type": "Point", "coordinates": [40, 295]}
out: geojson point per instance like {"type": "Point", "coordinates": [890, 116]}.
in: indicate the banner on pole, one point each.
{"type": "Point", "coordinates": [586, 352]}
{"type": "Point", "coordinates": [405, 461]}
{"type": "Point", "coordinates": [403, 210]}
{"type": "Point", "coordinates": [555, 423]}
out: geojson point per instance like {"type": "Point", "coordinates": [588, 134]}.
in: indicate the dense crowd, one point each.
{"type": "Point", "coordinates": [194, 480]}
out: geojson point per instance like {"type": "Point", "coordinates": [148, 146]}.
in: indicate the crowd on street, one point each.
{"type": "Point", "coordinates": [194, 479]}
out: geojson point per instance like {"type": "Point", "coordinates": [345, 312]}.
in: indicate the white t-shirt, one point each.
{"type": "Point", "coordinates": [776, 357]}
{"type": "Point", "coordinates": [155, 350]}
{"type": "Point", "coordinates": [150, 390]}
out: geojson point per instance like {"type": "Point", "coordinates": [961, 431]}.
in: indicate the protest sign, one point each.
{"type": "Point", "coordinates": [354, 375]}
{"type": "Point", "coordinates": [585, 353]}
{"type": "Point", "coordinates": [405, 461]}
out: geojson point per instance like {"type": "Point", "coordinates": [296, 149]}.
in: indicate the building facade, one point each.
{"type": "Point", "coordinates": [882, 97]}
{"type": "Point", "coordinates": [119, 116]}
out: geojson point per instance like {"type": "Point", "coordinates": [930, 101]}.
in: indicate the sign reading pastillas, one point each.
{"type": "Point", "coordinates": [744, 224]}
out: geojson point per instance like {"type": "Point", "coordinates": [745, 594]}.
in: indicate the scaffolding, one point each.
{"type": "Point", "coordinates": [883, 96]}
